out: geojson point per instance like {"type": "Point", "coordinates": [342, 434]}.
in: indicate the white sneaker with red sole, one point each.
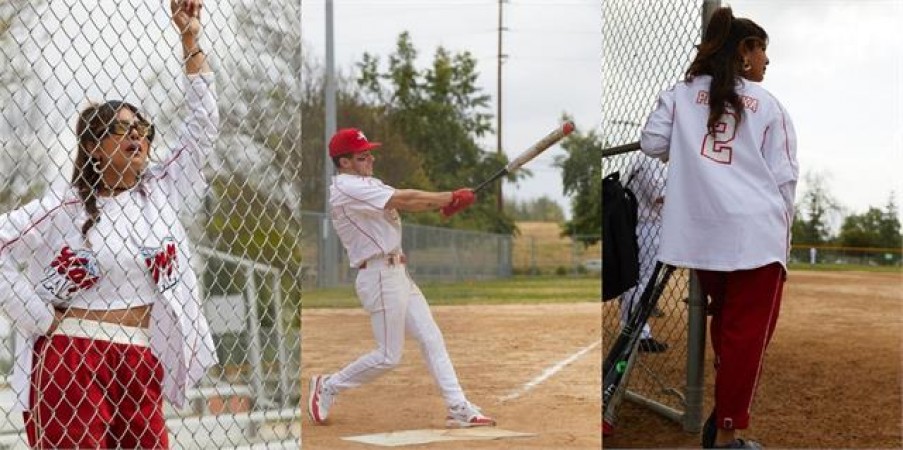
{"type": "Point", "coordinates": [467, 415]}
{"type": "Point", "coordinates": [319, 399]}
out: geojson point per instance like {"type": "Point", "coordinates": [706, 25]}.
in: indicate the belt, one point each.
{"type": "Point", "coordinates": [103, 331]}
{"type": "Point", "coordinates": [384, 261]}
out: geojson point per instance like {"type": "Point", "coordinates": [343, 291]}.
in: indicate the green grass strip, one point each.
{"type": "Point", "coordinates": [515, 290]}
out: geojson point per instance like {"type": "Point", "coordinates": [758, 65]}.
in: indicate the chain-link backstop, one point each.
{"type": "Point", "coordinates": [647, 46]}
{"type": "Point", "coordinates": [435, 254]}
{"type": "Point", "coordinates": [237, 233]}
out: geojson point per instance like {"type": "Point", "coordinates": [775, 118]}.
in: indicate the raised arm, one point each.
{"type": "Point", "coordinates": [186, 15]}
{"type": "Point", "coordinates": [182, 172]}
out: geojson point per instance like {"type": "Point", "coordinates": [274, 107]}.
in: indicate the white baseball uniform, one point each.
{"type": "Point", "coordinates": [139, 255]}
{"type": "Point", "coordinates": [646, 178]}
{"type": "Point", "coordinates": [744, 222]}
{"type": "Point", "coordinates": [371, 234]}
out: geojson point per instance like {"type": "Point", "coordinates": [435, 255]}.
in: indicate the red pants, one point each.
{"type": "Point", "coordinates": [89, 393]}
{"type": "Point", "coordinates": [744, 307]}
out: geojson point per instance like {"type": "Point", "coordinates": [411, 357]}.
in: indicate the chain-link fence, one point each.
{"type": "Point", "coordinates": [159, 245]}
{"type": "Point", "coordinates": [559, 255]}
{"type": "Point", "coordinates": [434, 254]}
{"type": "Point", "coordinates": [647, 46]}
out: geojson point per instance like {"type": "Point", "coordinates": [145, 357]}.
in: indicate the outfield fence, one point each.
{"type": "Point", "coordinates": [59, 57]}
{"type": "Point", "coordinates": [828, 255]}
{"type": "Point", "coordinates": [647, 45]}
{"type": "Point", "coordinates": [434, 253]}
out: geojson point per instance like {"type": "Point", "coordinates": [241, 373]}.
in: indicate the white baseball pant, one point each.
{"type": "Point", "coordinates": [396, 305]}
{"type": "Point", "coordinates": [647, 235]}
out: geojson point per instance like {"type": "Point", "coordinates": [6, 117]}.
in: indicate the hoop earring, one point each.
{"type": "Point", "coordinates": [746, 65]}
{"type": "Point", "coordinates": [95, 164]}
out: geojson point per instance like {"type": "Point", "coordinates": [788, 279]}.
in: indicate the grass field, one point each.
{"type": "Point", "coordinates": [540, 245]}
{"type": "Point", "coordinates": [518, 289]}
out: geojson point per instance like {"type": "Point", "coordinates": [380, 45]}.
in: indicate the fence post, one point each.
{"type": "Point", "coordinates": [254, 344]}
{"type": "Point", "coordinates": [696, 323]}
{"type": "Point", "coordinates": [285, 384]}
{"type": "Point", "coordinates": [533, 269]}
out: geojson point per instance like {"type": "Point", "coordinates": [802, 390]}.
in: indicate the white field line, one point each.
{"type": "Point", "coordinates": [546, 374]}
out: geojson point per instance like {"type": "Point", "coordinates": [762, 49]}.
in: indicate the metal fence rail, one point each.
{"type": "Point", "coordinates": [646, 47]}
{"type": "Point", "coordinates": [57, 58]}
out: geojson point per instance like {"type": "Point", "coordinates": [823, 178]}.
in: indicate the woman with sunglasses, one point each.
{"type": "Point", "coordinates": [98, 284]}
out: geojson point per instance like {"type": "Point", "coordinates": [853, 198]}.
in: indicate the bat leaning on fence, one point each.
{"type": "Point", "coordinates": [615, 363]}
{"type": "Point", "coordinates": [530, 153]}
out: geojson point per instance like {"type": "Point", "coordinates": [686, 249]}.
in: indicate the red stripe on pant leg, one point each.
{"type": "Point", "coordinates": [67, 395]}
{"type": "Point", "coordinates": [749, 313]}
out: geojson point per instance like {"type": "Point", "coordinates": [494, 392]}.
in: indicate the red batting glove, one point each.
{"type": "Point", "coordinates": [462, 198]}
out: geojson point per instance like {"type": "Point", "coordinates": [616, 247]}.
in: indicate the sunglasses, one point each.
{"type": "Point", "coordinates": [122, 128]}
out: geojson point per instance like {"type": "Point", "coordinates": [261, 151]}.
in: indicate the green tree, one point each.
{"type": "Point", "coordinates": [582, 179]}
{"type": "Point", "coordinates": [814, 210]}
{"type": "Point", "coordinates": [440, 113]}
{"type": "Point", "coordinates": [23, 158]}
{"type": "Point", "coordinates": [889, 231]}
{"type": "Point", "coordinates": [862, 230]}
{"type": "Point", "coordinates": [542, 209]}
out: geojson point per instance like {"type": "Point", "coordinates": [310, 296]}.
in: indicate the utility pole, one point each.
{"type": "Point", "coordinates": [327, 272]}
{"type": "Point", "coordinates": [501, 56]}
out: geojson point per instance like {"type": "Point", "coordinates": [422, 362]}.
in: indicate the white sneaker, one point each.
{"type": "Point", "coordinates": [466, 415]}
{"type": "Point", "coordinates": [319, 399]}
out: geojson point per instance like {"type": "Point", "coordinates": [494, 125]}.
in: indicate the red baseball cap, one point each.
{"type": "Point", "coordinates": [349, 141]}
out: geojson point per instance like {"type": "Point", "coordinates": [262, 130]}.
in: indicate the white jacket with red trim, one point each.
{"type": "Point", "coordinates": [729, 197]}
{"type": "Point", "coordinates": [138, 253]}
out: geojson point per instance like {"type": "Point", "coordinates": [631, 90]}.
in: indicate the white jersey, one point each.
{"type": "Point", "coordinates": [365, 227]}
{"type": "Point", "coordinates": [137, 254]}
{"type": "Point", "coordinates": [729, 197]}
{"type": "Point", "coordinates": [646, 178]}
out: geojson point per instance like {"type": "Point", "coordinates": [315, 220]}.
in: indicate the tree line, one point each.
{"type": "Point", "coordinates": [817, 210]}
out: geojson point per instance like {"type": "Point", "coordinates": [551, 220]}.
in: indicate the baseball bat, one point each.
{"type": "Point", "coordinates": [626, 148]}
{"type": "Point", "coordinates": [616, 360]}
{"type": "Point", "coordinates": [530, 153]}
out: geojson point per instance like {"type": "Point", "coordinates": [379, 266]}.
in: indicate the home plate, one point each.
{"type": "Point", "coordinates": [413, 437]}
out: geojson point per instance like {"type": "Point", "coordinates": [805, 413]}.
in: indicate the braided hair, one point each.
{"type": "Point", "coordinates": [91, 129]}
{"type": "Point", "coordinates": [719, 56]}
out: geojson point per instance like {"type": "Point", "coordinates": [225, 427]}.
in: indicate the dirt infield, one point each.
{"type": "Point", "coordinates": [832, 376]}
{"type": "Point", "coordinates": [496, 351]}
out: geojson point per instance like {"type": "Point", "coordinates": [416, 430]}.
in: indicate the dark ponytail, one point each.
{"type": "Point", "coordinates": [718, 56]}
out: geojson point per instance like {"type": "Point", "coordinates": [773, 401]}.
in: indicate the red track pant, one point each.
{"type": "Point", "coordinates": [89, 393]}
{"type": "Point", "coordinates": [744, 306]}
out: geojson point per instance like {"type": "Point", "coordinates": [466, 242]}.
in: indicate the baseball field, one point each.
{"type": "Point", "coordinates": [832, 375]}
{"type": "Point", "coordinates": [532, 365]}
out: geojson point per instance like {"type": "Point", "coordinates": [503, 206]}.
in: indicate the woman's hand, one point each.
{"type": "Point", "coordinates": [186, 14]}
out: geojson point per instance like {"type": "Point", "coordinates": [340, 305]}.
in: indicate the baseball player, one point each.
{"type": "Point", "coordinates": [646, 179]}
{"type": "Point", "coordinates": [732, 177]}
{"type": "Point", "coordinates": [97, 283]}
{"type": "Point", "coordinates": [365, 216]}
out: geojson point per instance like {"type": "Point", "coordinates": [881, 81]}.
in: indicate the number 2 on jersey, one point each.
{"type": "Point", "coordinates": [717, 147]}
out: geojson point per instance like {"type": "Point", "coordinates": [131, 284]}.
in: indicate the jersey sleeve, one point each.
{"type": "Point", "coordinates": [646, 184]}
{"type": "Point", "coordinates": [366, 194]}
{"type": "Point", "coordinates": [779, 151]}
{"type": "Point", "coordinates": [655, 139]}
{"type": "Point", "coordinates": [182, 172]}
{"type": "Point", "coordinates": [18, 299]}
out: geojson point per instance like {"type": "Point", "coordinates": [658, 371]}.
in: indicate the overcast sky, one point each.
{"type": "Point", "coordinates": [835, 65]}
{"type": "Point", "coordinates": [553, 63]}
